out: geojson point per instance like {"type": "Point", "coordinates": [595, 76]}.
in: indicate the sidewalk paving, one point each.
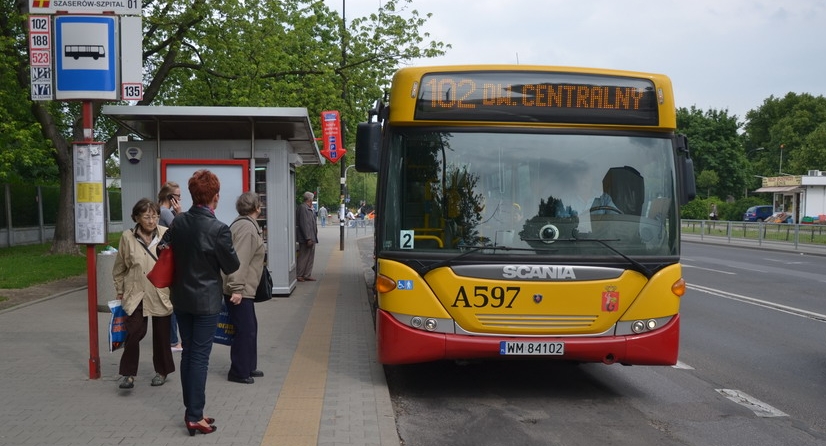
{"type": "Point", "coordinates": [48, 398]}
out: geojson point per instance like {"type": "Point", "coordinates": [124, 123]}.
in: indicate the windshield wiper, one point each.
{"type": "Point", "coordinates": [639, 267]}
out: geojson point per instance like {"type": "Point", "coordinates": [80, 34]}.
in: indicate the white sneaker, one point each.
{"type": "Point", "coordinates": [177, 348]}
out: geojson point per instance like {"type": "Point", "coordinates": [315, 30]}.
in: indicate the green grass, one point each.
{"type": "Point", "coordinates": [24, 266]}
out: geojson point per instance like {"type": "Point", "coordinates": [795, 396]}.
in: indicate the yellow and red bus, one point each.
{"type": "Point", "coordinates": [527, 212]}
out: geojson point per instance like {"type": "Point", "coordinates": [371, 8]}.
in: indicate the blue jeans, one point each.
{"type": "Point", "coordinates": [173, 331]}
{"type": "Point", "coordinates": [197, 332]}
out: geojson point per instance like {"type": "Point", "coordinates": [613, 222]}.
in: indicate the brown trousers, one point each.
{"type": "Point", "coordinates": [136, 326]}
{"type": "Point", "coordinates": [305, 260]}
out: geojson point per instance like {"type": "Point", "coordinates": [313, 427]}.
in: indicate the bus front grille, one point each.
{"type": "Point", "coordinates": [536, 322]}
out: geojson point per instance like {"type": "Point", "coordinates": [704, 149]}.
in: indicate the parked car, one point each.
{"type": "Point", "coordinates": [758, 213]}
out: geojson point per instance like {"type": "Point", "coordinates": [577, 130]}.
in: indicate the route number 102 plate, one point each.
{"type": "Point", "coordinates": [525, 348]}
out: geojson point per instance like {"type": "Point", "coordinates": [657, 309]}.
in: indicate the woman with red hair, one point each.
{"type": "Point", "coordinates": [203, 250]}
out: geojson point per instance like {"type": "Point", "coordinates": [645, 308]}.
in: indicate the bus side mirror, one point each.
{"type": "Point", "coordinates": [688, 186]}
{"type": "Point", "coordinates": [689, 189]}
{"type": "Point", "coordinates": [368, 146]}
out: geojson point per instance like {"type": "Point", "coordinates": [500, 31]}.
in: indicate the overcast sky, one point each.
{"type": "Point", "coordinates": [721, 54]}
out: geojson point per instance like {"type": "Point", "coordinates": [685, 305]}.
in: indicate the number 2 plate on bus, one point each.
{"type": "Point", "coordinates": [531, 348]}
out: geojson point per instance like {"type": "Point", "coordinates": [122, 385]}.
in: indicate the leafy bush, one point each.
{"type": "Point", "coordinates": [699, 208]}
{"type": "Point", "coordinates": [51, 201]}
{"type": "Point", "coordinates": [739, 208]}
{"type": "Point", "coordinates": [24, 208]}
{"type": "Point", "coordinates": [115, 201]}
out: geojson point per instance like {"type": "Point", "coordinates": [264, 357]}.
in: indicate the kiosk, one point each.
{"type": "Point", "coordinates": [249, 148]}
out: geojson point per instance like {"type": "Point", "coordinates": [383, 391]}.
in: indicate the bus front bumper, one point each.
{"type": "Point", "coordinates": [400, 344]}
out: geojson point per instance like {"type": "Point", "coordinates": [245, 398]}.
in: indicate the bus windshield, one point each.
{"type": "Point", "coordinates": [571, 194]}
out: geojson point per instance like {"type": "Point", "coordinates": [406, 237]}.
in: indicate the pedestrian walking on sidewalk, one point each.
{"type": "Point", "coordinates": [240, 287]}
{"type": "Point", "coordinates": [202, 247]}
{"type": "Point", "coordinates": [140, 299]}
{"type": "Point", "coordinates": [306, 237]}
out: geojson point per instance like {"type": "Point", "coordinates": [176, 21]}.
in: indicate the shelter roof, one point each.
{"type": "Point", "coordinates": [780, 189]}
{"type": "Point", "coordinates": [221, 123]}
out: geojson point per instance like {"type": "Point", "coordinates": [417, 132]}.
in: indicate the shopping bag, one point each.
{"type": "Point", "coordinates": [225, 331]}
{"type": "Point", "coordinates": [163, 272]}
{"type": "Point", "coordinates": [117, 325]}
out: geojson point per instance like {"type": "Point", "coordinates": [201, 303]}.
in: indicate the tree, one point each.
{"type": "Point", "coordinates": [25, 155]}
{"type": "Point", "coordinates": [707, 179]}
{"type": "Point", "coordinates": [788, 129]}
{"type": "Point", "coordinates": [812, 153]}
{"type": "Point", "coordinates": [233, 53]}
{"type": "Point", "coordinates": [716, 147]}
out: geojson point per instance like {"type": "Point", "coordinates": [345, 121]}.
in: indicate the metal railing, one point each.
{"type": "Point", "coordinates": [757, 232]}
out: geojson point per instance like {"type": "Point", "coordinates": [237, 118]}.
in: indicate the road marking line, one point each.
{"type": "Point", "coordinates": [744, 268]}
{"type": "Point", "coordinates": [760, 303]}
{"type": "Point", "coordinates": [297, 414]}
{"type": "Point", "coordinates": [785, 262]}
{"type": "Point", "coordinates": [707, 269]}
{"type": "Point", "coordinates": [759, 408]}
{"type": "Point", "coordinates": [682, 365]}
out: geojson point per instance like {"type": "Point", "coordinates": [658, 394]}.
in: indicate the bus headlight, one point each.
{"type": "Point", "coordinates": [640, 326]}
{"type": "Point", "coordinates": [430, 324]}
{"type": "Point", "coordinates": [416, 322]}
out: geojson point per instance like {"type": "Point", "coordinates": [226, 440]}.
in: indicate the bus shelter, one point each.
{"type": "Point", "coordinates": [249, 148]}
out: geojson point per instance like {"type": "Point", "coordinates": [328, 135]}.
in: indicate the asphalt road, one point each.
{"type": "Point", "coordinates": [751, 371]}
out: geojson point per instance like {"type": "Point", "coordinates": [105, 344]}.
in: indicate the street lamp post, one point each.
{"type": "Point", "coordinates": [342, 213]}
{"type": "Point", "coordinates": [343, 126]}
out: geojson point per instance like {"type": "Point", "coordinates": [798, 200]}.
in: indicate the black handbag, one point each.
{"type": "Point", "coordinates": [264, 291]}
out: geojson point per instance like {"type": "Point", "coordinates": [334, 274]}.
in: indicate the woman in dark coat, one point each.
{"type": "Point", "coordinates": [202, 248]}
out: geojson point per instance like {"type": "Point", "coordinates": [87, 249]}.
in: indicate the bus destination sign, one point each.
{"type": "Point", "coordinates": [529, 96]}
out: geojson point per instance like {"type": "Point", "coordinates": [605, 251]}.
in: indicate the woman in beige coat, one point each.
{"type": "Point", "coordinates": [239, 290]}
{"type": "Point", "coordinates": [140, 299]}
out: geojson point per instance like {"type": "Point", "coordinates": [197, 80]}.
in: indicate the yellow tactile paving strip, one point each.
{"type": "Point", "coordinates": [297, 413]}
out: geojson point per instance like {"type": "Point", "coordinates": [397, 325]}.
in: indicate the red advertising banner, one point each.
{"type": "Point", "coordinates": [331, 135]}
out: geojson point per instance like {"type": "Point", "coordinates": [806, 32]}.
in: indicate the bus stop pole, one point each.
{"type": "Point", "coordinates": [91, 268]}
{"type": "Point", "coordinates": [341, 214]}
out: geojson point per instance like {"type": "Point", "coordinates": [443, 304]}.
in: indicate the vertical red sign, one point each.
{"type": "Point", "coordinates": [331, 135]}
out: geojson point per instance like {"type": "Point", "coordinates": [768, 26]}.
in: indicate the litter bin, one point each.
{"type": "Point", "coordinates": [105, 283]}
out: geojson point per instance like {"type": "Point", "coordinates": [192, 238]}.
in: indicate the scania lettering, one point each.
{"type": "Point", "coordinates": [541, 272]}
